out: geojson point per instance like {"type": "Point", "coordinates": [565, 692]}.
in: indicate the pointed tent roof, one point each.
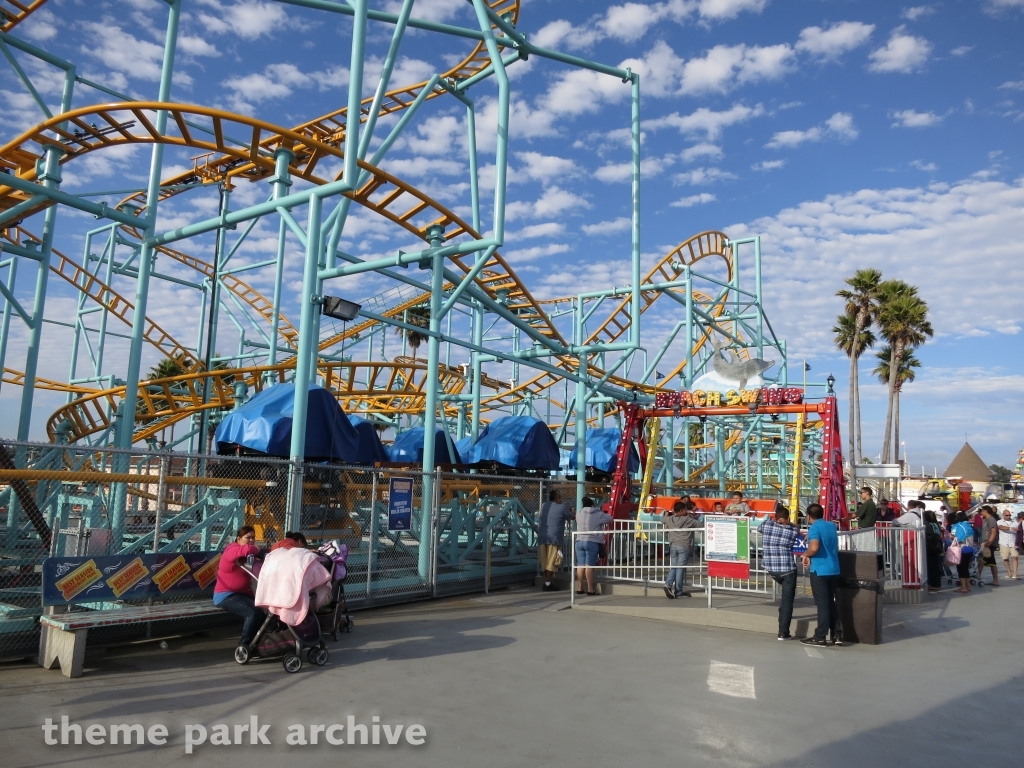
{"type": "Point", "coordinates": [968, 465]}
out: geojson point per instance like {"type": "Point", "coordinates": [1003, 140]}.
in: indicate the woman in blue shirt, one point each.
{"type": "Point", "coordinates": [963, 532]}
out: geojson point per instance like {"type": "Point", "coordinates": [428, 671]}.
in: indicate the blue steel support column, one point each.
{"type": "Point", "coordinates": [123, 438]}
{"type": "Point", "coordinates": [5, 324]}
{"type": "Point", "coordinates": [436, 235]}
{"type": "Point", "coordinates": [211, 330]}
{"type": "Point", "coordinates": [304, 363]}
{"type": "Point", "coordinates": [758, 296]}
{"type": "Point", "coordinates": [688, 370]}
{"type": "Point", "coordinates": [634, 325]}
{"type": "Point", "coordinates": [282, 180]}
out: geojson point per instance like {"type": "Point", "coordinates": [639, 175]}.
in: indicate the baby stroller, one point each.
{"type": "Point", "coordinates": [333, 614]}
{"type": "Point", "coordinates": [276, 639]}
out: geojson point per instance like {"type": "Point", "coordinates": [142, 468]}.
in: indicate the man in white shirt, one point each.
{"type": "Point", "coordinates": [1007, 543]}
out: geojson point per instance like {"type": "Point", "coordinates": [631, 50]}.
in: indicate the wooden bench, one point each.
{"type": "Point", "coordinates": [64, 635]}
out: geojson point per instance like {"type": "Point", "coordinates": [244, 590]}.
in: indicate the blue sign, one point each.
{"type": "Point", "coordinates": [74, 580]}
{"type": "Point", "coordinates": [400, 504]}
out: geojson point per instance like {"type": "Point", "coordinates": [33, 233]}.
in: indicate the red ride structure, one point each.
{"type": "Point", "coordinates": [771, 401]}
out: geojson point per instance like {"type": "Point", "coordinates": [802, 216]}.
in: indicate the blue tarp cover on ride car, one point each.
{"type": "Point", "coordinates": [522, 442]}
{"type": "Point", "coordinates": [371, 449]}
{"type": "Point", "coordinates": [602, 447]}
{"type": "Point", "coordinates": [264, 424]}
{"type": "Point", "coordinates": [408, 448]}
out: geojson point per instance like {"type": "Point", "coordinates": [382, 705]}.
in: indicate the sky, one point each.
{"type": "Point", "coordinates": [846, 134]}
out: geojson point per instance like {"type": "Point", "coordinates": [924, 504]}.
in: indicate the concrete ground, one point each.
{"type": "Point", "coordinates": [514, 679]}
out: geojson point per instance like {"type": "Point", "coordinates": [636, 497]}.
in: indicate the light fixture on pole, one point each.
{"type": "Point", "coordinates": [831, 380]}
{"type": "Point", "coordinates": [340, 309]}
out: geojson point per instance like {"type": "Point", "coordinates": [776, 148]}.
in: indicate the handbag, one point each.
{"type": "Point", "coordinates": [953, 553]}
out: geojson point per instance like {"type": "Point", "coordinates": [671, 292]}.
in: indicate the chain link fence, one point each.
{"type": "Point", "coordinates": [467, 532]}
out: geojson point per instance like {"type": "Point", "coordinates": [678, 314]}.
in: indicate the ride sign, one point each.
{"type": "Point", "coordinates": [400, 504]}
{"type": "Point", "coordinates": [727, 546]}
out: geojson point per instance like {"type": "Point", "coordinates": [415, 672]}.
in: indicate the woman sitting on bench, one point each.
{"type": "Point", "coordinates": [233, 590]}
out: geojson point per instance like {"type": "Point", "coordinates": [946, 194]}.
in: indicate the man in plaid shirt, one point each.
{"type": "Point", "coordinates": [777, 539]}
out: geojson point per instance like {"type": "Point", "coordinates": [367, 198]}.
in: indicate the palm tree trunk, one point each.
{"type": "Point", "coordinates": [853, 409]}
{"type": "Point", "coordinates": [860, 448]}
{"type": "Point", "coordinates": [896, 427]}
{"type": "Point", "coordinates": [894, 365]}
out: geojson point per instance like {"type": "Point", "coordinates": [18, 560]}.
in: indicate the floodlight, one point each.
{"type": "Point", "coordinates": [341, 309]}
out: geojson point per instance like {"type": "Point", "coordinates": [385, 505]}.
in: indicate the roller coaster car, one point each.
{"type": "Point", "coordinates": [496, 468]}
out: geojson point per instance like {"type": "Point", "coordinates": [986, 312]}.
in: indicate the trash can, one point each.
{"type": "Point", "coordinates": [859, 596]}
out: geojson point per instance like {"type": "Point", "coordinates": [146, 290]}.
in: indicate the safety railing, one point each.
{"type": "Point", "coordinates": [639, 552]}
{"type": "Point", "coordinates": [902, 549]}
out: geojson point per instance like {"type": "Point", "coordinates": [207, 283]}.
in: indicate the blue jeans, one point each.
{"type": "Point", "coordinates": [824, 590]}
{"type": "Point", "coordinates": [586, 553]}
{"type": "Point", "coordinates": [788, 583]}
{"type": "Point", "coordinates": [678, 557]}
{"type": "Point", "coordinates": [245, 607]}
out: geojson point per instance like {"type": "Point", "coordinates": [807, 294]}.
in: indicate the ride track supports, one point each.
{"type": "Point", "coordinates": [282, 181]}
{"type": "Point", "coordinates": [436, 235]}
{"type": "Point", "coordinates": [215, 301]}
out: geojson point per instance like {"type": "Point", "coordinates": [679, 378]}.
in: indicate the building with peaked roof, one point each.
{"type": "Point", "coordinates": [968, 465]}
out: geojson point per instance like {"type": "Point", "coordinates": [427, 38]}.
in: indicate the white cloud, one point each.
{"type": "Point", "coordinates": [196, 46]}
{"type": "Point", "coordinates": [432, 10]}
{"type": "Point", "coordinates": [548, 229]}
{"type": "Point", "coordinates": [520, 255]}
{"type": "Point", "coordinates": [768, 165]}
{"type": "Point", "coordinates": [903, 53]}
{"type": "Point", "coordinates": [649, 167]}
{"type": "Point", "coordinates": [278, 81]}
{"type": "Point", "coordinates": [704, 149]}
{"type": "Point", "coordinates": [692, 200]}
{"type": "Point", "coordinates": [702, 176]}
{"type": "Point", "coordinates": [553, 202]}
{"type": "Point", "coordinates": [962, 50]}
{"type": "Point", "coordinates": [40, 26]}
{"type": "Point", "coordinates": [249, 19]}
{"type": "Point", "coordinates": [725, 67]}
{"type": "Point", "coordinates": [921, 165]}
{"type": "Point", "coordinates": [917, 234]}
{"type": "Point", "coordinates": [121, 51]}
{"type": "Point", "coordinates": [546, 168]}
{"type": "Point", "coordinates": [839, 126]}
{"type": "Point", "coordinates": [621, 224]}
{"type": "Point", "coordinates": [996, 6]}
{"type": "Point", "coordinates": [909, 118]}
{"type": "Point", "coordinates": [706, 120]}
{"type": "Point", "coordinates": [833, 42]}
{"type": "Point", "coordinates": [728, 9]}
{"type": "Point", "coordinates": [917, 12]}
{"type": "Point", "coordinates": [1013, 85]}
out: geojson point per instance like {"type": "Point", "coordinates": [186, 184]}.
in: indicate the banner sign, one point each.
{"type": "Point", "coordinates": [700, 398]}
{"type": "Point", "coordinates": [400, 504]}
{"type": "Point", "coordinates": [68, 580]}
{"type": "Point", "coordinates": [727, 546]}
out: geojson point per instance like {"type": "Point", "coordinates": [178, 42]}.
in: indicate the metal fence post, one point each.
{"type": "Point", "coordinates": [161, 491]}
{"type": "Point", "coordinates": [435, 531]}
{"type": "Point", "coordinates": [373, 533]}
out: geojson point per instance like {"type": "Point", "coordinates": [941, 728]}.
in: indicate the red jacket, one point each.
{"type": "Point", "coordinates": [230, 577]}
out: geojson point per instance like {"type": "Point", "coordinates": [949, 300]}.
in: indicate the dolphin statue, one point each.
{"type": "Point", "coordinates": [736, 370]}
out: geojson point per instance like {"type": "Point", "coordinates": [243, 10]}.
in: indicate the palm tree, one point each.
{"type": "Point", "coordinates": [903, 375]}
{"type": "Point", "coordinates": [845, 334]}
{"type": "Point", "coordinates": [903, 322]}
{"type": "Point", "coordinates": [861, 307]}
{"type": "Point", "coordinates": [420, 317]}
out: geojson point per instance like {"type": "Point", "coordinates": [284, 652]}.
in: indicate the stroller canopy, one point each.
{"type": "Point", "coordinates": [408, 447]}
{"type": "Point", "coordinates": [264, 425]}
{"type": "Point", "coordinates": [602, 447]}
{"type": "Point", "coordinates": [521, 442]}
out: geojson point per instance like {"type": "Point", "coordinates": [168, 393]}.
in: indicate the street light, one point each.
{"type": "Point", "coordinates": [831, 380]}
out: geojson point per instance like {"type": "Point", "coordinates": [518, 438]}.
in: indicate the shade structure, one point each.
{"type": "Point", "coordinates": [371, 450]}
{"type": "Point", "coordinates": [519, 442]}
{"type": "Point", "coordinates": [408, 447]}
{"type": "Point", "coordinates": [264, 425]}
{"type": "Point", "coordinates": [602, 449]}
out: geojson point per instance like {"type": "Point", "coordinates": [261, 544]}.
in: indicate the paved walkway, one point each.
{"type": "Point", "coordinates": [513, 679]}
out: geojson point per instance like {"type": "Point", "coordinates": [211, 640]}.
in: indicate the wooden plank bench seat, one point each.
{"type": "Point", "coordinates": [64, 634]}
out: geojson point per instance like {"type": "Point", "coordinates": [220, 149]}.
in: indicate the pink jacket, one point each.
{"type": "Point", "coordinates": [230, 577]}
{"type": "Point", "coordinates": [286, 579]}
